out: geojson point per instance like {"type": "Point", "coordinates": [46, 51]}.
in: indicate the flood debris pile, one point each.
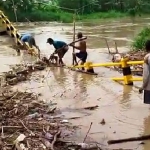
{"type": "Point", "coordinates": [132, 56]}
{"type": "Point", "coordinates": [21, 73]}
{"type": "Point", "coordinates": [27, 124]}
{"type": "Point", "coordinates": [137, 56]}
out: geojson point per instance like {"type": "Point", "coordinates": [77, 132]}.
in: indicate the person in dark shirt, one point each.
{"type": "Point", "coordinates": [60, 48]}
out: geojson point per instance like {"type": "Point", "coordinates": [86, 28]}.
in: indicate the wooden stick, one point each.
{"type": "Point", "coordinates": [2, 134]}
{"type": "Point", "coordinates": [88, 132]}
{"type": "Point", "coordinates": [140, 138]}
{"type": "Point", "coordinates": [107, 45]}
{"type": "Point", "coordinates": [18, 127]}
{"type": "Point", "coordinates": [116, 47]}
{"type": "Point", "coordinates": [54, 140]}
{"type": "Point", "coordinates": [26, 128]}
{"type": "Point", "coordinates": [84, 38]}
{"type": "Point", "coordinates": [74, 29]}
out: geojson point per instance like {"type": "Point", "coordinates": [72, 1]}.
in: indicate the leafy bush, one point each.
{"type": "Point", "coordinates": [140, 39]}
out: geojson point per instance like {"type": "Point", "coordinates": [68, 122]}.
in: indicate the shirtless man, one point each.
{"type": "Point", "coordinates": [82, 54]}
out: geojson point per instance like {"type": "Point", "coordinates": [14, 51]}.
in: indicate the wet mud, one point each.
{"type": "Point", "coordinates": [120, 112]}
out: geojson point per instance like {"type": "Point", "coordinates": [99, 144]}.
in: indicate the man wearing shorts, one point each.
{"type": "Point", "coordinates": [60, 48]}
{"type": "Point", "coordinates": [30, 39]}
{"type": "Point", "coordinates": [82, 54]}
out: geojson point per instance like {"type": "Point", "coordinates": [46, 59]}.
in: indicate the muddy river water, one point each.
{"type": "Point", "coordinates": [121, 106]}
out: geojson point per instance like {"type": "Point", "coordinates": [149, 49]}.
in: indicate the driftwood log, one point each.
{"type": "Point", "coordinates": [132, 139]}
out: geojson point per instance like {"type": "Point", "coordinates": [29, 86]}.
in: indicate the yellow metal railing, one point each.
{"type": "Point", "coordinates": [124, 64]}
{"type": "Point", "coordinates": [12, 31]}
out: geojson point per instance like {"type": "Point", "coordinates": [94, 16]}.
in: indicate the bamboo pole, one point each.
{"type": "Point", "coordinates": [74, 30]}
{"type": "Point", "coordinates": [107, 45]}
{"type": "Point", "coordinates": [116, 47]}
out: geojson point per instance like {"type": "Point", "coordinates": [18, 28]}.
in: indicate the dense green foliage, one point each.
{"type": "Point", "coordinates": [62, 10]}
{"type": "Point", "coordinates": [140, 39]}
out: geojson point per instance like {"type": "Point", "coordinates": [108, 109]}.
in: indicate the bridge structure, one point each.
{"type": "Point", "coordinates": [14, 33]}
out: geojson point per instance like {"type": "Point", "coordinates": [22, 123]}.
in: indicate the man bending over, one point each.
{"type": "Point", "coordinates": [60, 48]}
{"type": "Point", "coordinates": [30, 39]}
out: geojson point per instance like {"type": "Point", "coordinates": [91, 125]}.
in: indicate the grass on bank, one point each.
{"type": "Point", "coordinates": [103, 15]}
{"type": "Point", "coordinates": [61, 16]}
{"type": "Point", "coordinates": [140, 39]}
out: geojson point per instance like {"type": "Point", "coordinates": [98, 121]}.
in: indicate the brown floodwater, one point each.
{"type": "Point", "coordinates": [121, 106]}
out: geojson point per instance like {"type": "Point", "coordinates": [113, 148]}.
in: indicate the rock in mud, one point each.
{"type": "Point", "coordinates": [10, 75]}
{"type": "Point", "coordinates": [21, 78]}
{"type": "Point", "coordinates": [13, 81]}
{"type": "Point", "coordinates": [38, 67]}
{"type": "Point", "coordinates": [103, 122]}
{"type": "Point", "coordinates": [23, 72]}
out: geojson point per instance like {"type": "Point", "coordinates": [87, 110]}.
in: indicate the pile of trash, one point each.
{"type": "Point", "coordinates": [132, 56]}
{"type": "Point", "coordinates": [28, 124]}
{"type": "Point", "coordinates": [22, 72]}
{"type": "Point", "coordinates": [137, 56]}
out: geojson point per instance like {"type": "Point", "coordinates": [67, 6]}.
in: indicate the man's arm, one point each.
{"type": "Point", "coordinates": [77, 47]}
{"type": "Point", "coordinates": [145, 75]}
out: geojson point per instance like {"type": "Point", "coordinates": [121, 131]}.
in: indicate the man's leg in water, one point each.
{"type": "Point", "coordinates": [75, 59]}
{"type": "Point", "coordinates": [59, 58]}
{"type": "Point", "coordinates": [61, 54]}
{"type": "Point", "coordinates": [82, 56]}
{"type": "Point", "coordinates": [82, 63]}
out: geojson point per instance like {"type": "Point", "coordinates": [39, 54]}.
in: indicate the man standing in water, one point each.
{"type": "Point", "coordinates": [146, 75]}
{"type": "Point", "coordinates": [82, 54]}
{"type": "Point", "coordinates": [60, 48]}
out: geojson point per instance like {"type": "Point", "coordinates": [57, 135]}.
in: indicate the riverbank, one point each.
{"type": "Point", "coordinates": [62, 16]}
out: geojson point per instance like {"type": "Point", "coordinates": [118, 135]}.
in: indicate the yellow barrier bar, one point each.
{"type": "Point", "coordinates": [118, 79]}
{"type": "Point", "coordinates": [98, 65]}
{"type": "Point", "coordinates": [136, 79]}
{"type": "Point", "coordinates": [105, 64]}
{"type": "Point", "coordinates": [109, 64]}
{"type": "Point", "coordinates": [135, 62]}
{"type": "Point", "coordinates": [122, 79]}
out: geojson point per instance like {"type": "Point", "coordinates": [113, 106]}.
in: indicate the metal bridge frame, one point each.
{"type": "Point", "coordinates": [12, 31]}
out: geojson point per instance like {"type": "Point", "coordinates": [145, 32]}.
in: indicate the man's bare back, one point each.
{"type": "Point", "coordinates": [82, 54]}
{"type": "Point", "coordinates": [82, 46]}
